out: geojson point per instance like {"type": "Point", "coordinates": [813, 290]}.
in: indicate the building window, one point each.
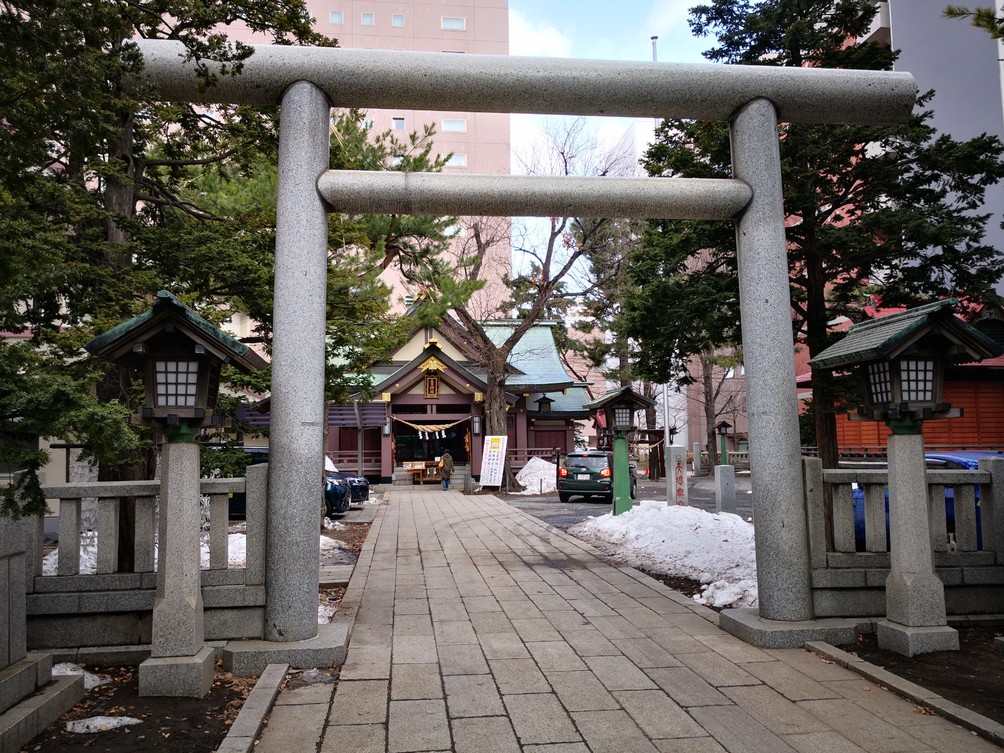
{"type": "Point", "coordinates": [454, 125]}
{"type": "Point", "coordinates": [397, 124]}
{"type": "Point", "coordinates": [368, 19]}
{"type": "Point", "coordinates": [454, 23]}
{"type": "Point", "coordinates": [457, 160]}
{"type": "Point", "coordinates": [432, 386]}
{"type": "Point", "coordinates": [735, 371]}
{"type": "Point", "coordinates": [336, 17]}
{"type": "Point", "coordinates": [397, 20]}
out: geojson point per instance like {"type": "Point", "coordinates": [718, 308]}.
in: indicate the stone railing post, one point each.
{"type": "Point", "coordinates": [992, 508]}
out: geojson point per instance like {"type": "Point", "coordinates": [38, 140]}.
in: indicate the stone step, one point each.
{"type": "Point", "coordinates": [22, 678]}
{"type": "Point", "coordinates": [29, 718]}
{"type": "Point", "coordinates": [404, 478]}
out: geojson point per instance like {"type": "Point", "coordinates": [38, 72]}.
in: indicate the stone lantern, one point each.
{"type": "Point", "coordinates": [722, 429]}
{"type": "Point", "coordinates": [902, 359]}
{"type": "Point", "coordinates": [181, 355]}
{"type": "Point", "coordinates": [615, 413]}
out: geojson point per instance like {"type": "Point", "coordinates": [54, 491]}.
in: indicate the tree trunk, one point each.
{"type": "Point", "coordinates": [120, 199]}
{"type": "Point", "coordinates": [496, 418]}
{"type": "Point", "coordinates": [710, 413]}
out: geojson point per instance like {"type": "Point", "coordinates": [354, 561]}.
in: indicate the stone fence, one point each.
{"type": "Point", "coordinates": [965, 512]}
{"type": "Point", "coordinates": [72, 605]}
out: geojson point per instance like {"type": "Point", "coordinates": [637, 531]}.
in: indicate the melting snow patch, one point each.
{"type": "Point", "coordinates": [538, 477]}
{"type": "Point", "coordinates": [715, 549]}
{"type": "Point", "coordinates": [90, 680]}
{"type": "Point", "coordinates": [100, 724]}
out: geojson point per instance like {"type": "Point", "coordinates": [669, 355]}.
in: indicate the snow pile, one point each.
{"type": "Point", "coordinates": [538, 477]}
{"type": "Point", "coordinates": [328, 544]}
{"type": "Point", "coordinates": [100, 724]}
{"type": "Point", "coordinates": [88, 556]}
{"type": "Point", "coordinates": [715, 549]}
{"type": "Point", "coordinates": [91, 681]}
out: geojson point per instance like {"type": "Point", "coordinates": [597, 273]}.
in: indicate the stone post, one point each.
{"type": "Point", "coordinates": [782, 547]}
{"type": "Point", "coordinates": [725, 488]}
{"type": "Point", "coordinates": [697, 458]}
{"type": "Point", "coordinates": [992, 505]}
{"type": "Point", "coordinates": [676, 469]}
{"type": "Point", "coordinates": [14, 572]}
{"type": "Point", "coordinates": [180, 663]}
{"type": "Point", "coordinates": [296, 464]}
{"type": "Point", "coordinates": [914, 595]}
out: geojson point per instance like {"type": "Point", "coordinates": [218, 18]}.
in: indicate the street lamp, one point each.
{"type": "Point", "coordinates": [902, 359]}
{"type": "Point", "coordinates": [723, 429]}
{"type": "Point", "coordinates": [181, 355]}
{"type": "Point", "coordinates": [615, 412]}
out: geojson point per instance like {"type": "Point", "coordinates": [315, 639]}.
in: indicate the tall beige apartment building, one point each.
{"type": "Point", "coordinates": [478, 142]}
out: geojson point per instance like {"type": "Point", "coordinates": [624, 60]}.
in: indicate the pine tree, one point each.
{"type": "Point", "coordinates": [888, 210]}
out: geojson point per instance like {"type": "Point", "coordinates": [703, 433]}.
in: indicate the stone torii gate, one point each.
{"type": "Point", "coordinates": [308, 82]}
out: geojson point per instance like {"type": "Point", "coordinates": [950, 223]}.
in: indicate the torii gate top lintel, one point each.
{"type": "Point", "coordinates": [507, 84]}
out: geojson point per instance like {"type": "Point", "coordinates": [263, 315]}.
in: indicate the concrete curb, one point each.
{"type": "Point", "coordinates": [981, 725]}
{"type": "Point", "coordinates": [246, 727]}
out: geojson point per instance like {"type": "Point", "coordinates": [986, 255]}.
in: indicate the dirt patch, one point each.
{"type": "Point", "coordinates": [169, 725]}
{"type": "Point", "coordinates": [972, 677]}
{"type": "Point", "coordinates": [686, 586]}
{"type": "Point", "coordinates": [352, 535]}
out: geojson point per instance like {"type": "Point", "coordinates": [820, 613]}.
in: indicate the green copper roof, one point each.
{"type": "Point", "coordinates": [169, 305]}
{"type": "Point", "coordinates": [884, 338]}
{"type": "Point", "coordinates": [621, 393]}
{"type": "Point", "coordinates": [535, 359]}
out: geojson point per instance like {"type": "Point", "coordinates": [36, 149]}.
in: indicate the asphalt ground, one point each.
{"type": "Point", "coordinates": [548, 508]}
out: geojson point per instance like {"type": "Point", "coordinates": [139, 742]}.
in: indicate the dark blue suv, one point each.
{"type": "Point", "coordinates": [952, 460]}
{"type": "Point", "coordinates": [336, 495]}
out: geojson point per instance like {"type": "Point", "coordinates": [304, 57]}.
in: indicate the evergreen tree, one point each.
{"type": "Point", "coordinates": [107, 196]}
{"type": "Point", "coordinates": [982, 18]}
{"type": "Point", "coordinates": [889, 210]}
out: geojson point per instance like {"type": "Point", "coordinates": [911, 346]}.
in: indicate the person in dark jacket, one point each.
{"type": "Point", "coordinates": [446, 469]}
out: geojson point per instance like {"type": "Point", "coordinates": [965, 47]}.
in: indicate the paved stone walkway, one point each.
{"type": "Point", "coordinates": [481, 629]}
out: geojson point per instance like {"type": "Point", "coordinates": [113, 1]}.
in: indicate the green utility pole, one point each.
{"type": "Point", "coordinates": [622, 475]}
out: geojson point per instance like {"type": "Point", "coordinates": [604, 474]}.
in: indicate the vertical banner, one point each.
{"type": "Point", "coordinates": [493, 460]}
{"type": "Point", "coordinates": [678, 474]}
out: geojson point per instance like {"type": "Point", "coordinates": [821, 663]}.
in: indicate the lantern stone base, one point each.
{"type": "Point", "coordinates": [910, 641]}
{"type": "Point", "coordinates": [185, 676]}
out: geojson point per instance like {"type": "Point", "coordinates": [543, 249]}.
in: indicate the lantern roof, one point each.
{"type": "Point", "coordinates": [620, 395]}
{"type": "Point", "coordinates": [170, 314]}
{"type": "Point", "coordinates": [888, 337]}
